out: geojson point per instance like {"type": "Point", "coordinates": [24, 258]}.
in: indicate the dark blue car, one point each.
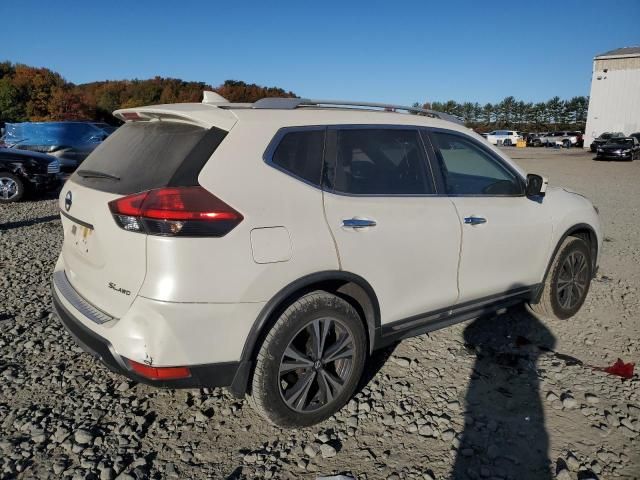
{"type": "Point", "coordinates": [70, 142]}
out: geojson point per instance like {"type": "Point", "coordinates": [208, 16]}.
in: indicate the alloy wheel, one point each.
{"type": "Point", "coordinates": [316, 365]}
{"type": "Point", "coordinates": [8, 188]}
{"type": "Point", "coordinates": [573, 280]}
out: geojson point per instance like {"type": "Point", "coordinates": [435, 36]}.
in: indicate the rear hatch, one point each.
{"type": "Point", "coordinates": [105, 263]}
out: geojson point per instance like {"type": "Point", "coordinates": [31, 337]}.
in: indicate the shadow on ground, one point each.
{"type": "Point", "coordinates": [504, 433]}
{"type": "Point", "coordinates": [29, 222]}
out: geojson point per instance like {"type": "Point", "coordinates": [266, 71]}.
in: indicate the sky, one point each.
{"type": "Point", "coordinates": [390, 51]}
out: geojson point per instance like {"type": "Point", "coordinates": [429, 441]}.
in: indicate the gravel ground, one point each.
{"type": "Point", "coordinates": [503, 397]}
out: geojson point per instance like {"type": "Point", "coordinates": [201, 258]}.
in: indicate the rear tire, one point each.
{"type": "Point", "coordinates": [507, 142]}
{"type": "Point", "coordinates": [567, 283]}
{"type": "Point", "coordinates": [11, 188]}
{"type": "Point", "coordinates": [296, 383]}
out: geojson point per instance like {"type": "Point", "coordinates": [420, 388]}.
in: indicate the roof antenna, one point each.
{"type": "Point", "coordinates": [213, 97]}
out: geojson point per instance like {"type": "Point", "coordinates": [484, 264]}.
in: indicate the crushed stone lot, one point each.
{"type": "Point", "coordinates": [508, 397]}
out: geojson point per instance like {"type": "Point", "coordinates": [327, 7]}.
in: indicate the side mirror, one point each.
{"type": "Point", "coordinates": [536, 185]}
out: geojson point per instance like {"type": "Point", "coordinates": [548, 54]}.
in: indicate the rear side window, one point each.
{"type": "Point", "coordinates": [300, 154]}
{"type": "Point", "coordinates": [141, 156]}
{"type": "Point", "coordinates": [380, 162]}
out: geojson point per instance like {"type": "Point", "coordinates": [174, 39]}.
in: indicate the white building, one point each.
{"type": "Point", "coordinates": [614, 103]}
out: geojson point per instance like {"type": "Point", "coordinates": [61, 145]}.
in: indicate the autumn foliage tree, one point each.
{"type": "Point", "coordinates": [34, 94]}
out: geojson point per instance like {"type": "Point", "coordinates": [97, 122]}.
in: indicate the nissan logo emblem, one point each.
{"type": "Point", "coordinates": [68, 201]}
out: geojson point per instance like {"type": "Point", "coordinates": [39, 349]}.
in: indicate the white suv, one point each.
{"type": "Point", "coordinates": [503, 137]}
{"type": "Point", "coordinates": [271, 247]}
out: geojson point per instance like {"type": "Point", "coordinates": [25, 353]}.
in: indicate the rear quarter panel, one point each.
{"type": "Point", "coordinates": [224, 269]}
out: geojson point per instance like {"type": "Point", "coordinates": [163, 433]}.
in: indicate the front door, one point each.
{"type": "Point", "coordinates": [505, 235]}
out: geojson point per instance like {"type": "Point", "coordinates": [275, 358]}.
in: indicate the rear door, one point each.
{"type": "Point", "coordinates": [505, 235]}
{"type": "Point", "coordinates": [389, 226]}
{"type": "Point", "coordinates": [105, 263]}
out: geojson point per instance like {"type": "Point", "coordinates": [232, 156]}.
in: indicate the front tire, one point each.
{"type": "Point", "coordinates": [310, 362]}
{"type": "Point", "coordinates": [567, 283]}
{"type": "Point", "coordinates": [11, 188]}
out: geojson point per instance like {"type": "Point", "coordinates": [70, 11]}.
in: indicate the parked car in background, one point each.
{"type": "Point", "coordinates": [619, 148]}
{"type": "Point", "coordinates": [23, 172]}
{"type": "Point", "coordinates": [548, 138]}
{"type": "Point", "coordinates": [217, 253]}
{"type": "Point", "coordinates": [604, 138]}
{"type": "Point", "coordinates": [502, 137]}
{"type": "Point", "coordinates": [636, 135]}
{"type": "Point", "coordinates": [535, 139]}
{"type": "Point", "coordinates": [576, 138]}
{"type": "Point", "coordinates": [71, 142]}
{"type": "Point", "coordinates": [566, 139]}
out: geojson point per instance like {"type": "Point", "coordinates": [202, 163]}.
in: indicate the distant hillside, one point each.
{"type": "Point", "coordinates": [37, 94]}
{"type": "Point", "coordinates": [31, 94]}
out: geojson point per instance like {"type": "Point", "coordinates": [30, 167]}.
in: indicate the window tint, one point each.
{"type": "Point", "coordinates": [380, 162]}
{"type": "Point", "coordinates": [470, 170]}
{"type": "Point", "coordinates": [146, 155]}
{"type": "Point", "coordinates": [300, 153]}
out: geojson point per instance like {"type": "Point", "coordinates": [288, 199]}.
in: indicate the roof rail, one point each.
{"type": "Point", "coordinates": [278, 103]}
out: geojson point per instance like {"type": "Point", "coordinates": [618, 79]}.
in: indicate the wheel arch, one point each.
{"type": "Point", "coordinates": [16, 169]}
{"type": "Point", "coordinates": [349, 286]}
{"type": "Point", "coordinates": [580, 230]}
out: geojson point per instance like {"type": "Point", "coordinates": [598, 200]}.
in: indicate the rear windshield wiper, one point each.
{"type": "Point", "coordinates": [95, 174]}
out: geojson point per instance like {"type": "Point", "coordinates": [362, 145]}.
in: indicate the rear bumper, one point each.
{"type": "Point", "coordinates": [209, 375]}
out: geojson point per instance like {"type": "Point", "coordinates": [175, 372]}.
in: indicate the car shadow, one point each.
{"type": "Point", "coordinates": [29, 222]}
{"type": "Point", "coordinates": [374, 364]}
{"type": "Point", "coordinates": [504, 432]}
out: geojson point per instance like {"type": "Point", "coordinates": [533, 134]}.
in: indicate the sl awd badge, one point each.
{"type": "Point", "coordinates": [113, 286]}
{"type": "Point", "coordinates": [68, 200]}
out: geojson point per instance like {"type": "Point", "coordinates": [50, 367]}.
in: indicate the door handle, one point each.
{"type": "Point", "coordinates": [473, 220]}
{"type": "Point", "coordinates": [358, 223]}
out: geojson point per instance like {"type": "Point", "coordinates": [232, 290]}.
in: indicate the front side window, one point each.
{"type": "Point", "coordinates": [300, 154]}
{"type": "Point", "coordinates": [380, 162]}
{"type": "Point", "coordinates": [468, 169]}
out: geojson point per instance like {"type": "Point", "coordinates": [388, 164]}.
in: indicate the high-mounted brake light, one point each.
{"type": "Point", "coordinates": [159, 373]}
{"type": "Point", "coordinates": [172, 211]}
{"type": "Point", "coordinates": [131, 116]}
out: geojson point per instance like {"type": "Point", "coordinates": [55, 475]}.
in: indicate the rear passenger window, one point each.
{"type": "Point", "coordinates": [300, 153]}
{"type": "Point", "coordinates": [380, 162]}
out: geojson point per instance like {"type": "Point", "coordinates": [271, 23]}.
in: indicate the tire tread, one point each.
{"type": "Point", "coordinates": [257, 396]}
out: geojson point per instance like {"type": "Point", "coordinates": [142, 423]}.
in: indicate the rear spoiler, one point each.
{"type": "Point", "coordinates": [200, 114]}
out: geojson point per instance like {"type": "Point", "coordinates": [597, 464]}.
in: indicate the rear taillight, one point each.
{"type": "Point", "coordinates": [175, 211]}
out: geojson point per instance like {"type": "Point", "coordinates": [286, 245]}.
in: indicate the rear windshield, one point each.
{"type": "Point", "coordinates": [140, 156]}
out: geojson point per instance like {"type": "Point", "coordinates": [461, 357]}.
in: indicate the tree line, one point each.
{"type": "Point", "coordinates": [554, 114]}
{"type": "Point", "coordinates": [40, 94]}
